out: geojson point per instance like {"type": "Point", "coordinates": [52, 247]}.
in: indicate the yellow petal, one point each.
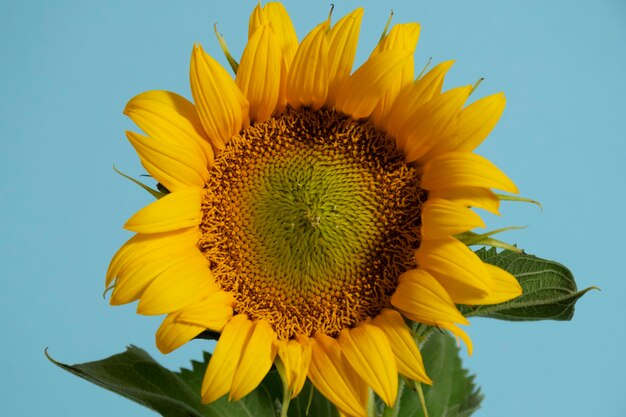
{"type": "Point", "coordinates": [177, 210]}
{"type": "Point", "coordinates": [414, 96]}
{"type": "Point", "coordinates": [441, 218]}
{"type": "Point", "coordinates": [275, 14]}
{"type": "Point", "coordinates": [172, 335]}
{"type": "Point", "coordinates": [463, 169]}
{"type": "Point", "coordinates": [430, 122]}
{"type": "Point", "coordinates": [362, 91]}
{"type": "Point", "coordinates": [408, 357]}
{"type": "Point", "coordinates": [482, 198]}
{"type": "Point", "coordinates": [223, 109]}
{"type": "Point", "coordinates": [218, 377]}
{"type": "Point", "coordinates": [421, 298]}
{"type": "Point", "coordinates": [132, 281]}
{"type": "Point", "coordinates": [307, 82]}
{"type": "Point", "coordinates": [335, 379]}
{"type": "Point", "coordinates": [477, 120]}
{"type": "Point", "coordinates": [343, 40]}
{"type": "Point", "coordinates": [145, 248]}
{"type": "Point", "coordinates": [169, 117]}
{"type": "Point", "coordinates": [258, 76]}
{"type": "Point", "coordinates": [368, 351]}
{"type": "Point", "coordinates": [212, 312]}
{"type": "Point", "coordinates": [256, 360]}
{"type": "Point", "coordinates": [459, 333]}
{"type": "Point", "coordinates": [504, 287]}
{"type": "Point", "coordinates": [295, 355]}
{"type": "Point", "coordinates": [402, 37]}
{"type": "Point", "coordinates": [174, 166]}
{"type": "Point", "coordinates": [459, 270]}
{"type": "Point", "coordinates": [178, 286]}
{"type": "Point", "coordinates": [474, 123]}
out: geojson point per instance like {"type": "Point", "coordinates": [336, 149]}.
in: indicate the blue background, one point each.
{"type": "Point", "coordinates": [68, 68]}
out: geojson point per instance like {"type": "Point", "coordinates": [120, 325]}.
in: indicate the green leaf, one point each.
{"type": "Point", "coordinates": [136, 376]}
{"type": "Point", "coordinates": [453, 393]}
{"type": "Point", "coordinates": [549, 289]}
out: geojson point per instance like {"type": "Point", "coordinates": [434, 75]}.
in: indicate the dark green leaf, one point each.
{"type": "Point", "coordinates": [135, 375]}
{"type": "Point", "coordinates": [453, 393]}
{"type": "Point", "coordinates": [549, 289]}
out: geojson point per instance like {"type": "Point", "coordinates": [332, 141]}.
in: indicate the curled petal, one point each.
{"type": "Point", "coordinates": [479, 197]}
{"type": "Point", "coordinates": [307, 82]}
{"type": "Point", "coordinates": [295, 355]}
{"type": "Point", "coordinates": [259, 73]}
{"type": "Point", "coordinates": [218, 377]}
{"type": "Point", "coordinates": [408, 357]}
{"type": "Point", "coordinates": [333, 376]}
{"type": "Point", "coordinates": [172, 334]}
{"type": "Point", "coordinates": [177, 210]}
{"type": "Point", "coordinates": [413, 96]}
{"type": "Point", "coordinates": [459, 270]}
{"type": "Point", "coordinates": [174, 165]}
{"type": "Point", "coordinates": [442, 218]}
{"type": "Point", "coordinates": [464, 169]}
{"type": "Point", "coordinates": [362, 91]}
{"type": "Point", "coordinates": [343, 38]}
{"type": "Point", "coordinates": [368, 351]}
{"type": "Point", "coordinates": [256, 360]}
{"type": "Point", "coordinates": [169, 117]}
{"type": "Point", "coordinates": [222, 108]}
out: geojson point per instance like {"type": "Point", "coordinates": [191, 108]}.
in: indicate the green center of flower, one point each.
{"type": "Point", "coordinates": [309, 219]}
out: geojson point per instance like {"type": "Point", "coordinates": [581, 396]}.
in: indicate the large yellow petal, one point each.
{"type": "Point", "coordinates": [421, 298]}
{"type": "Point", "coordinates": [256, 360]}
{"type": "Point", "coordinates": [145, 248]}
{"type": "Point", "coordinates": [172, 334]}
{"type": "Point", "coordinates": [295, 356]}
{"type": "Point", "coordinates": [258, 76]}
{"type": "Point", "coordinates": [477, 120]}
{"type": "Point", "coordinates": [430, 122]}
{"type": "Point", "coordinates": [405, 350]}
{"type": "Point", "coordinates": [464, 169]}
{"type": "Point", "coordinates": [276, 15]}
{"type": "Point", "coordinates": [479, 197]}
{"type": "Point", "coordinates": [219, 374]}
{"type": "Point", "coordinates": [169, 117]}
{"type": "Point", "coordinates": [223, 109]}
{"type": "Point", "coordinates": [459, 270]}
{"type": "Point", "coordinates": [178, 286]}
{"type": "Point", "coordinates": [174, 165]}
{"type": "Point", "coordinates": [343, 39]}
{"type": "Point", "coordinates": [307, 82]}
{"type": "Point", "coordinates": [132, 281]}
{"type": "Point", "coordinates": [212, 312]}
{"type": "Point", "coordinates": [368, 351]}
{"type": "Point", "coordinates": [474, 123]}
{"type": "Point", "coordinates": [412, 97]}
{"type": "Point", "coordinates": [335, 379]}
{"type": "Point", "coordinates": [402, 37]}
{"type": "Point", "coordinates": [177, 210]}
{"type": "Point", "coordinates": [441, 218]}
{"type": "Point", "coordinates": [504, 287]}
{"type": "Point", "coordinates": [361, 92]}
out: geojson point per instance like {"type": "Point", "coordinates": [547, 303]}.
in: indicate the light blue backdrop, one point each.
{"type": "Point", "coordinates": [68, 68]}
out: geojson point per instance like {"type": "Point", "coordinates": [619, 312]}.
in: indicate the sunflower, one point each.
{"type": "Point", "coordinates": [311, 211]}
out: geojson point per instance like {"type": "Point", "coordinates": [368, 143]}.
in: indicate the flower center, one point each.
{"type": "Point", "coordinates": [309, 219]}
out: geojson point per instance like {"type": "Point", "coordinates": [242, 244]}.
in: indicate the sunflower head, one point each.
{"type": "Point", "coordinates": [312, 211]}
